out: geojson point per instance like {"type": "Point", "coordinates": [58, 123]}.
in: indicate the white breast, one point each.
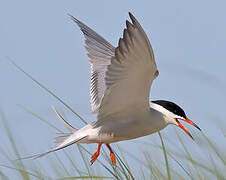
{"type": "Point", "coordinates": [134, 125]}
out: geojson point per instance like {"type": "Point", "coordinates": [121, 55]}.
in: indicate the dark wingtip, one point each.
{"type": "Point", "coordinates": [79, 23]}
{"type": "Point", "coordinates": [132, 18]}
{"type": "Point", "coordinates": [70, 15]}
{"type": "Point", "coordinates": [131, 15]}
{"type": "Point", "coordinates": [128, 23]}
{"type": "Point", "coordinates": [73, 18]}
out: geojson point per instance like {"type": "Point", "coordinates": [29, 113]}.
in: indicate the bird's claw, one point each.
{"type": "Point", "coordinates": [113, 159]}
{"type": "Point", "coordinates": [94, 157]}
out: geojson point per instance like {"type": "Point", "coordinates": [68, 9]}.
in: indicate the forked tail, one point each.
{"type": "Point", "coordinates": [62, 140]}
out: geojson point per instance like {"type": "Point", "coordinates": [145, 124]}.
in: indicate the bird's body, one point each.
{"type": "Point", "coordinates": [121, 79]}
{"type": "Point", "coordinates": [124, 126]}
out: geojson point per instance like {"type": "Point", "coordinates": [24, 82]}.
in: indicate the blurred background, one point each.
{"type": "Point", "coordinates": [188, 38]}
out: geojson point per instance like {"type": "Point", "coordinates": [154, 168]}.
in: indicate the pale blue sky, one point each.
{"type": "Point", "coordinates": [188, 38]}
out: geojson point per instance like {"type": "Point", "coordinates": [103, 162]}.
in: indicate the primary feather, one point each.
{"type": "Point", "coordinates": [100, 53]}
{"type": "Point", "coordinates": [117, 74]}
{"type": "Point", "coordinates": [130, 74]}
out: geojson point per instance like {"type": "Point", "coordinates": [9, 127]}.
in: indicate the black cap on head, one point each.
{"type": "Point", "coordinates": [172, 107]}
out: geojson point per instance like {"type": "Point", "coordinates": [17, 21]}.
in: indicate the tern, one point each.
{"type": "Point", "coordinates": [121, 79]}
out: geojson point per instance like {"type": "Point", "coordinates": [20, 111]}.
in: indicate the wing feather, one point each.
{"type": "Point", "coordinates": [129, 76]}
{"type": "Point", "coordinates": [99, 52]}
{"type": "Point", "coordinates": [120, 77]}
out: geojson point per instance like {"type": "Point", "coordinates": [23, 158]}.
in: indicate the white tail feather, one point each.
{"type": "Point", "coordinates": [56, 148]}
{"type": "Point", "coordinates": [65, 123]}
{"type": "Point", "coordinates": [61, 138]}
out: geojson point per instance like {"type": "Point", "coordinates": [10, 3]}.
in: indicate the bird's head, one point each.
{"type": "Point", "coordinates": [173, 114]}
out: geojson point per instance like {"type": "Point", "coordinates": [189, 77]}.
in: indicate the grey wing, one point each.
{"type": "Point", "coordinates": [100, 53]}
{"type": "Point", "coordinates": [130, 74]}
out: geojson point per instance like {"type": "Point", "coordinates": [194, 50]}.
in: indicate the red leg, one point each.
{"type": "Point", "coordinates": [96, 154]}
{"type": "Point", "coordinates": [113, 159]}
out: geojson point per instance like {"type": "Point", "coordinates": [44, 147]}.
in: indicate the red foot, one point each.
{"type": "Point", "coordinates": [113, 159]}
{"type": "Point", "coordinates": [96, 154]}
{"type": "Point", "coordinates": [94, 157]}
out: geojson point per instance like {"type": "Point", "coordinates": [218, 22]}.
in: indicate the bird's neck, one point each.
{"type": "Point", "coordinates": [167, 115]}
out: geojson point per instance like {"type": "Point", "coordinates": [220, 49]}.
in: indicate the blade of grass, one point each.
{"type": "Point", "coordinates": [118, 172]}
{"type": "Point", "coordinates": [51, 125]}
{"type": "Point", "coordinates": [165, 156]}
{"type": "Point", "coordinates": [122, 155]}
{"type": "Point", "coordinates": [180, 165]}
{"type": "Point", "coordinates": [150, 166]}
{"type": "Point", "coordinates": [155, 172]}
{"type": "Point", "coordinates": [124, 165]}
{"type": "Point", "coordinates": [147, 166]}
{"type": "Point", "coordinates": [55, 167]}
{"type": "Point", "coordinates": [84, 159]}
{"type": "Point", "coordinates": [215, 149]}
{"type": "Point", "coordinates": [111, 172]}
{"type": "Point", "coordinates": [85, 177]}
{"type": "Point", "coordinates": [46, 89]}
{"type": "Point", "coordinates": [62, 165]}
{"type": "Point", "coordinates": [23, 173]}
{"type": "Point", "coordinates": [141, 162]}
{"type": "Point", "coordinates": [171, 153]}
{"type": "Point", "coordinates": [118, 169]}
{"type": "Point", "coordinates": [3, 176]}
{"type": "Point", "coordinates": [37, 171]}
{"type": "Point", "coordinates": [22, 170]}
{"type": "Point", "coordinates": [189, 157]}
{"type": "Point", "coordinates": [73, 164]}
{"type": "Point", "coordinates": [217, 173]}
{"type": "Point", "coordinates": [197, 163]}
{"type": "Point", "coordinates": [40, 118]}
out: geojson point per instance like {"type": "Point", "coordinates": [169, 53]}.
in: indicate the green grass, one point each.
{"type": "Point", "coordinates": [171, 165]}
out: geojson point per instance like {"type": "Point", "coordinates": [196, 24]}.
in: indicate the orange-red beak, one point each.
{"type": "Point", "coordinates": [188, 121]}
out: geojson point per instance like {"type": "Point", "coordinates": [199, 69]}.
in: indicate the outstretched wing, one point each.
{"type": "Point", "coordinates": [100, 53]}
{"type": "Point", "coordinates": [129, 76]}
